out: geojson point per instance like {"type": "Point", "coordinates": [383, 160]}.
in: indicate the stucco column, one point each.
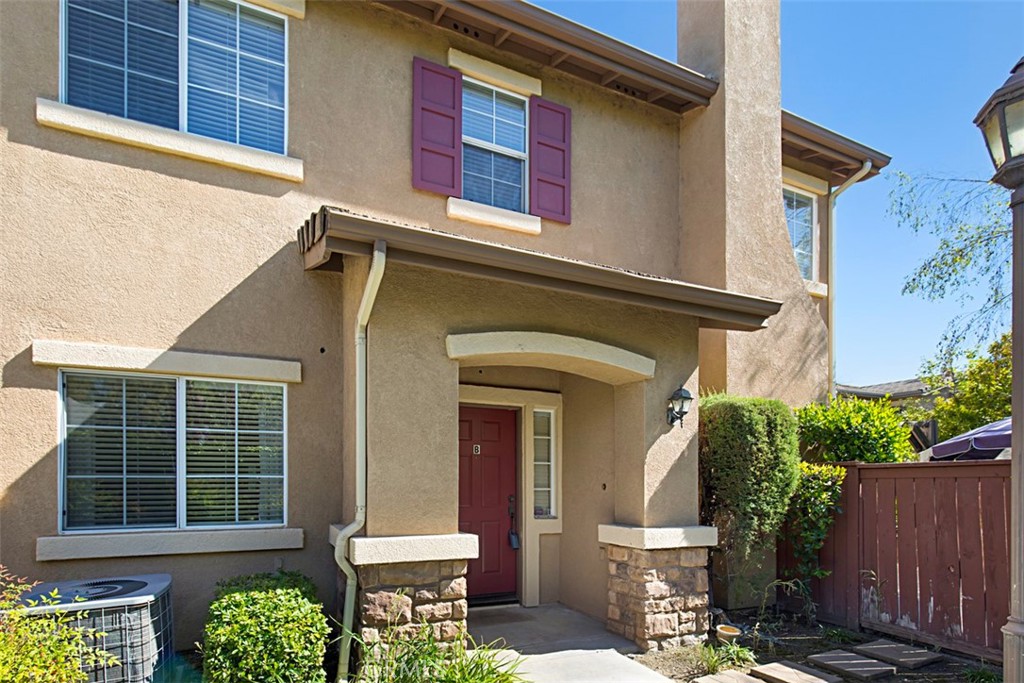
{"type": "Point", "coordinates": [733, 228]}
{"type": "Point", "coordinates": [1013, 632]}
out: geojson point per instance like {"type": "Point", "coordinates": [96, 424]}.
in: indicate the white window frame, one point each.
{"type": "Point", "coordinates": [815, 231]}
{"type": "Point", "coordinates": [183, 70]}
{"type": "Point", "coordinates": [552, 463]}
{"type": "Point", "coordinates": [499, 149]}
{"type": "Point", "coordinates": [180, 472]}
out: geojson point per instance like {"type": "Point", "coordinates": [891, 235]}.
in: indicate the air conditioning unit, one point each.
{"type": "Point", "coordinates": [133, 611]}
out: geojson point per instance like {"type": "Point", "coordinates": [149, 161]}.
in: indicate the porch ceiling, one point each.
{"type": "Point", "coordinates": [332, 233]}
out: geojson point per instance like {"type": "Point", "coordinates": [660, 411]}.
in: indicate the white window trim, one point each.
{"type": "Point", "coordinates": [815, 231]}
{"type": "Point", "coordinates": [180, 474]}
{"type": "Point", "coordinates": [499, 149]}
{"type": "Point", "coordinates": [492, 73]}
{"type": "Point", "coordinates": [166, 542]}
{"type": "Point", "coordinates": [183, 78]}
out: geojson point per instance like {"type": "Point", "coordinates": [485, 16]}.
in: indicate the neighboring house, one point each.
{"type": "Point", "coordinates": [563, 230]}
{"type": "Point", "coordinates": [904, 394]}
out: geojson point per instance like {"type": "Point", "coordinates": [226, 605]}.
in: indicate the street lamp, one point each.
{"type": "Point", "coordinates": [1001, 121]}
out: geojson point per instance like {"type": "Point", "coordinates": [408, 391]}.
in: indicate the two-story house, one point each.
{"type": "Point", "coordinates": [518, 239]}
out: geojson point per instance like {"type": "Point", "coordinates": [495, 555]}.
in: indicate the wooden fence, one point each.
{"type": "Point", "coordinates": [920, 551]}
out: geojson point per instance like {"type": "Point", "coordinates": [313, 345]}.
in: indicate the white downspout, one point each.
{"type": "Point", "coordinates": [864, 170]}
{"type": "Point", "coordinates": [341, 545]}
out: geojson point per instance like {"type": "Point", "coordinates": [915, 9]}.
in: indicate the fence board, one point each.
{"type": "Point", "coordinates": [888, 586]}
{"type": "Point", "coordinates": [907, 613]}
{"type": "Point", "coordinates": [996, 559]}
{"type": "Point", "coordinates": [972, 569]}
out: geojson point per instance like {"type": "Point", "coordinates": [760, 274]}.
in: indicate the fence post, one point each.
{"type": "Point", "coordinates": [851, 554]}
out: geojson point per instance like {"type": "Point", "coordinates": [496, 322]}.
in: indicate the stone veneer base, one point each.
{"type": "Point", "coordinates": [405, 595]}
{"type": "Point", "coordinates": [658, 598]}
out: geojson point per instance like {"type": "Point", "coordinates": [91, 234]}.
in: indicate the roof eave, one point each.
{"type": "Point", "coordinates": [333, 233]}
{"type": "Point", "coordinates": [555, 42]}
{"type": "Point", "coordinates": [838, 156]}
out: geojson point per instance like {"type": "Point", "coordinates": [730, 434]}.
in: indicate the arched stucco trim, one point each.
{"type": "Point", "coordinates": [585, 357]}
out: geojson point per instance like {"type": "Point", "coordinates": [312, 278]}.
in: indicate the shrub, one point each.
{"type": "Point", "coordinates": [266, 582]}
{"type": "Point", "coordinates": [265, 628]}
{"type": "Point", "coordinates": [854, 429]}
{"type": "Point", "coordinates": [417, 657]}
{"type": "Point", "coordinates": [43, 647]}
{"type": "Point", "coordinates": [749, 459]}
{"type": "Point", "coordinates": [811, 515]}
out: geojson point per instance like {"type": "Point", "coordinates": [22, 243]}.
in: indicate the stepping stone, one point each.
{"type": "Point", "coordinates": [906, 656]}
{"type": "Point", "coordinates": [855, 666]}
{"type": "Point", "coordinates": [791, 672]}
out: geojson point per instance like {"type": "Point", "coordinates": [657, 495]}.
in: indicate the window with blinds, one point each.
{"type": "Point", "coordinates": [800, 220]}
{"type": "Point", "coordinates": [143, 452]}
{"type": "Point", "coordinates": [227, 79]}
{"type": "Point", "coordinates": [543, 464]}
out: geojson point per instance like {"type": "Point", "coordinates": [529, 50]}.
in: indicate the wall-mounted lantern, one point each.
{"type": "Point", "coordinates": [679, 404]}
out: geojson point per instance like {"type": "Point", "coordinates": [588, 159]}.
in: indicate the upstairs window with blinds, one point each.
{"type": "Point", "coordinates": [800, 220]}
{"type": "Point", "coordinates": [214, 68]}
{"type": "Point", "coordinates": [143, 452]}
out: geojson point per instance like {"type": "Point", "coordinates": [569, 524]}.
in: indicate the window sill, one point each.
{"type": "Point", "coordinates": [492, 216]}
{"type": "Point", "coordinates": [147, 136]}
{"type": "Point", "coordinates": [99, 545]}
{"type": "Point", "coordinates": [818, 290]}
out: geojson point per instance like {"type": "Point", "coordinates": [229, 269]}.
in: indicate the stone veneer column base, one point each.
{"type": "Point", "coordinates": [658, 598]}
{"type": "Point", "coordinates": [405, 595]}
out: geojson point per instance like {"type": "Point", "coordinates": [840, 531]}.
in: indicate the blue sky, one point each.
{"type": "Point", "coordinates": [904, 77]}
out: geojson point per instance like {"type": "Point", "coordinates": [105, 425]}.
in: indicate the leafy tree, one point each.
{"type": "Point", "coordinates": [850, 429]}
{"type": "Point", "coordinates": [971, 263]}
{"type": "Point", "coordinates": [981, 389]}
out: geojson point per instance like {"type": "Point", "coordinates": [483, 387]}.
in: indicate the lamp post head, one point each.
{"type": "Point", "coordinates": [1001, 121]}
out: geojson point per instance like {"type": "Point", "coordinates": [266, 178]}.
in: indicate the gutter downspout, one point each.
{"type": "Point", "coordinates": [379, 260]}
{"type": "Point", "coordinates": [864, 170]}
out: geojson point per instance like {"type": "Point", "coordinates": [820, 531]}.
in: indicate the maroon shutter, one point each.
{"type": "Point", "coordinates": [550, 160]}
{"type": "Point", "coordinates": [436, 128]}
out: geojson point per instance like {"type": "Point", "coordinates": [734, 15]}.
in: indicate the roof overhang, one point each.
{"type": "Point", "coordinates": [333, 233]}
{"type": "Point", "coordinates": [556, 42]}
{"type": "Point", "coordinates": [835, 156]}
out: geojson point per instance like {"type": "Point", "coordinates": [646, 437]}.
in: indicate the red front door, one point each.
{"type": "Point", "coordinates": [487, 496]}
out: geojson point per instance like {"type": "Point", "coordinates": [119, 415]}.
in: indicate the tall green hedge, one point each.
{"type": "Point", "coordinates": [851, 429]}
{"type": "Point", "coordinates": [749, 468]}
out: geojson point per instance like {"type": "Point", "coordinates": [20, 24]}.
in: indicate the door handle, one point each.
{"type": "Point", "coordinates": [512, 507]}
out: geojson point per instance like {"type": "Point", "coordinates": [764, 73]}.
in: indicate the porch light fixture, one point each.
{"type": "Point", "coordinates": [679, 405]}
{"type": "Point", "coordinates": [1001, 121]}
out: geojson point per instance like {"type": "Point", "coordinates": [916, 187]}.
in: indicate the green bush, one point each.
{"type": "Point", "coordinates": [267, 582]}
{"type": "Point", "coordinates": [418, 657]}
{"type": "Point", "coordinates": [812, 512]}
{"type": "Point", "coordinates": [43, 647]}
{"type": "Point", "coordinates": [749, 465]}
{"type": "Point", "coordinates": [854, 429]}
{"type": "Point", "coordinates": [263, 629]}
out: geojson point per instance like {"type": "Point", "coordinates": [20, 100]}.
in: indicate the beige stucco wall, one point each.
{"type": "Point", "coordinates": [108, 243]}
{"type": "Point", "coordinates": [731, 167]}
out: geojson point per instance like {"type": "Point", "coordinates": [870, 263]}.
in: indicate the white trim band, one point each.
{"type": "Point", "coordinates": [819, 290]}
{"type": "Point", "coordinates": [293, 8]}
{"type": "Point", "coordinates": [493, 73]}
{"type": "Point", "coordinates": [391, 549]}
{"type": "Point", "coordinates": [145, 135]}
{"type": "Point", "coordinates": [602, 362]}
{"type": "Point", "coordinates": [492, 216]}
{"type": "Point", "coordinates": [92, 546]}
{"type": "Point", "coordinates": [128, 358]}
{"type": "Point", "coordinates": [657, 538]}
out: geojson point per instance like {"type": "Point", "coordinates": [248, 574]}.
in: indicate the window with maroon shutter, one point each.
{"type": "Point", "coordinates": [470, 141]}
{"type": "Point", "coordinates": [550, 162]}
{"type": "Point", "coordinates": [436, 128]}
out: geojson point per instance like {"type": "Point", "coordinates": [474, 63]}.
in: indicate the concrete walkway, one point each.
{"type": "Point", "coordinates": [559, 645]}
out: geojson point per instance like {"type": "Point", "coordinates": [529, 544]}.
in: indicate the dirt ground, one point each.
{"type": "Point", "coordinates": [788, 639]}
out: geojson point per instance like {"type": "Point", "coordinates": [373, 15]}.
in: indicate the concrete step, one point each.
{"type": "Point", "coordinates": [791, 672]}
{"type": "Point", "coordinates": [727, 677]}
{"type": "Point", "coordinates": [855, 666]}
{"type": "Point", "coordinates": [898, 654]}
